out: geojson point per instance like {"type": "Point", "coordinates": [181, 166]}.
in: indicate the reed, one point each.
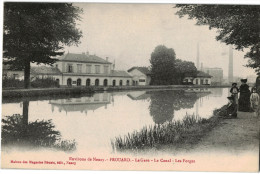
{"type": "Point", "coordinates": [158, 134]}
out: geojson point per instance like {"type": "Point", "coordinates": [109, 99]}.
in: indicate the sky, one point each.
{"type": "Point", "coordinates": [128, 34]}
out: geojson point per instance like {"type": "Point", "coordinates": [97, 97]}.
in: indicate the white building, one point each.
{"type": "Point", "coordinates": [89, 70]}
{"type": "Point", "coordinates": [200, 78]}
{"type": "Point", "coordinates": [141, 76]}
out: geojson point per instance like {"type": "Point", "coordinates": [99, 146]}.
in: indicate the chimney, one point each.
{"type": "Point", "coordinates": [107, 59]}
{"type": "Point", "coordinates": [201, 67]}
{"type": "Point", "coordinates": [230, 65]}
{"type": "Point", "coordinates": [114, 64]}
{"type": "Point", "coordinates": [198, 56]}
{"type": "Point", "coordinates": [87, 53]}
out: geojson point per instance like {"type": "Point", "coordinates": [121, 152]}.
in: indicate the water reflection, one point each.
{"type": "Point", "coordinates": [83, 104]}
{"type": "Point", "coordinates": [93, 120]}
{"type": "Point", "coordinates": [164, 103]}
{"type": "Point", "coordinates": [18, 131]}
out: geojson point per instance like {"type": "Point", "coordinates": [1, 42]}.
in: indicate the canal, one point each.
{"type": "Point", "coordinates": [93, 121]}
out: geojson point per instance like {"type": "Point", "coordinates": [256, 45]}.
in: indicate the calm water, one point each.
{"type": "Point", "coordinates": [93, 121]}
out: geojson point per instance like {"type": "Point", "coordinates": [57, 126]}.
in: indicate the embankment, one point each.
{"type": "Point", "coordinates": [32, 92]}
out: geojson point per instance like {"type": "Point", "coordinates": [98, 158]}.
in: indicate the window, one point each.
{"type": "Point", "coordinates": [114, 82]}
{"type": "Point", "coordinates": [79, 68]}
{"type": "Point", "coordinates": [70, 68]}
{"type": "Point", "coordinates": [105, 82]}
{"type": "Point", "coordinates": [141, 80]}
{"type": "Point", "coordinates": [78, 82]}
{"type": "Point", "coordinates": [15, 76]}
{"type": "Point", "coordinates": [97, 67]}
{"type": "Point", "coordinates": [105, 69]}
{"type": "Point", "coordinates": [207, 81]}
{"type": "Point", "coordinates": [97, 82]}
{"type": "Point", "coordinates": [56, 65]}
{"type": "Point", "coordinates": [69, 82]}
{"type": "Point", "coordinates": [88, 70]}
{"type": "Point", "coordinates": [88, 82]}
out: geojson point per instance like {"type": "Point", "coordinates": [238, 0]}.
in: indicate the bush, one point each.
{"type": "Point", "coordinates": [37, 83]}
{"type": "Point", "coordinates": [37, 134]}
{"type": "Point", "coordinates": [12, 83]}
{"type": "Point", "coordinates": [44, 83]}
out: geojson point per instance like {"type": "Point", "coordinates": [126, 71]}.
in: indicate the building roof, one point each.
{"type": "Point", "coordinates": [44, 70]}
{"type": "Point", "coordinates": [144, 70]}
{"type": "Point", "coordinates": [72, 107]}
{"type": "Point", "coordinates": [117, 73]}
{"type": "Point", "coordinates": [198, 74]}
{"type": "Point", "coordinates": [84, 58]}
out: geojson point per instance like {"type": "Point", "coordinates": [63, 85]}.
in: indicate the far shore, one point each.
{"type": "Point", "coordinates": [32, 92]}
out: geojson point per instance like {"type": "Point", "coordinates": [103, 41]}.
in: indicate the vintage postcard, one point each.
{"type": "Point", "coordinates": [125, 86]}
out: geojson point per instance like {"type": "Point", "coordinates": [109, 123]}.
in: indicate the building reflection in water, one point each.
{"type": "Point", "coordinates": [83, 104]}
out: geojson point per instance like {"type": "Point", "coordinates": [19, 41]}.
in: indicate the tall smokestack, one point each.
{"type": "Point", "coordinates": [230, 64]}
{"type": "Point", "coordinates": [198, 57]}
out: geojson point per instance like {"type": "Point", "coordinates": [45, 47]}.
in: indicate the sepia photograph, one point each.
{"type": "Point", "coordinates": [130, 86]}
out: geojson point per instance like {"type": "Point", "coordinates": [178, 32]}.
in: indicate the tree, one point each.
{"type": "Point", "coordinates": [238, 25]}
{"type": "Point", "coordinates": [183, 67]}
{"type": "Point", "coordinates": [37, 32]}
{"type": "Point", "coordinates": [162, 66]}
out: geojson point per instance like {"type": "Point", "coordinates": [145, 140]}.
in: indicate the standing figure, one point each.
{"type": "Point", "coordinates": [234, 92]}
{"type": "Point", "coordinates": [254, 100]}
{"type": "Point", "coordinates": [244, 98]}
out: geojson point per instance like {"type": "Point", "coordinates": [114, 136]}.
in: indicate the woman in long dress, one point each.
{"type": "Point", "coordinates": [244, 98]}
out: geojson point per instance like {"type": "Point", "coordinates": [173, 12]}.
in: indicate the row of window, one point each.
{"type": "Point", "coordinates": [97, 82]}
{"type": "Point", "coordinates": [197, 81]}
{"type": "Point", "coordinates": [88, 69]}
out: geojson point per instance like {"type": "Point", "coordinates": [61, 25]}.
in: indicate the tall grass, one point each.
{"type": "Point", "coordinates": [167, 133]}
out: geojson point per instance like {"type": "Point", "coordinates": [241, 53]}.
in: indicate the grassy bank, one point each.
{"type": "Point", "coordinates": [175, 133]}
{"type": "Point", "coordinates": [45, 92]}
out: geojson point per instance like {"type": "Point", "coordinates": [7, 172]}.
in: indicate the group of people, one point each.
{"type": "Point", "coordinates": [248, 101]}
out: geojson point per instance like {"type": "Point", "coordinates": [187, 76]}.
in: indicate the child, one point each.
{"type": "Point", "coordinates": [234, 91]}
{"type": "Point", "coordinates": [254, 101]}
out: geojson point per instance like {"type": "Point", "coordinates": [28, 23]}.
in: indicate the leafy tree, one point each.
{"type": "Point", "coordinates": [162, 65]}
{"type": "Point", "coordinates": [238, 25]}
{"type": "Point", "coordinates": [37, 32]}
{"type": "Point", "coordinates": [183, 67]}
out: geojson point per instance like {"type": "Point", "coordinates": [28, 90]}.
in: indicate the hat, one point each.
{"type": "Point", "coordinates": [230, 98]}
{"type": "Point", "coordinates": [243, 80]}
{"type": "Point", "coordinates": [234, 84]}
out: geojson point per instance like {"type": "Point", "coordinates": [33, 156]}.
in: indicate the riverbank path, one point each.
{"type": "Point", "coordinates": [233, 135]}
